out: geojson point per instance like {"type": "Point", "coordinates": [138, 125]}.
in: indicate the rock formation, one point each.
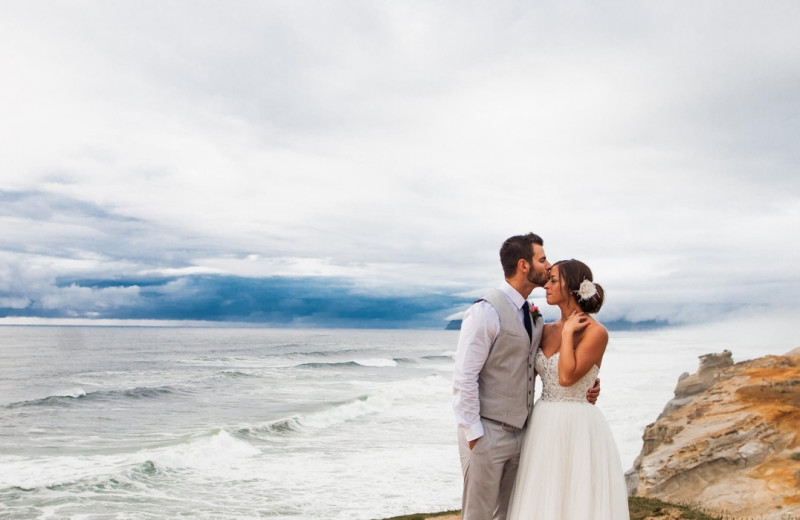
{"type": "Point", "coordinates": [453, 325]}
{"type": "Point", "coordinates": [729, 442]}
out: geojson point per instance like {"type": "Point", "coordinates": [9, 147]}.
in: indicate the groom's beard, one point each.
{"type": "Point", "coordinates": [537, 278]}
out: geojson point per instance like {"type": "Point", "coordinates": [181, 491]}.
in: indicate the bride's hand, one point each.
{"type": "Point", "coordinates": [575, 322]}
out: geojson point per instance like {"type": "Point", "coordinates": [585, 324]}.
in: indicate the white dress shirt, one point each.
{"type": "Point", "coordinates": [479, 329]}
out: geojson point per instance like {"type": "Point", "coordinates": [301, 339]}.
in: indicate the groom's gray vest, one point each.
{"type": "Point", "coordinates": [505, 384]}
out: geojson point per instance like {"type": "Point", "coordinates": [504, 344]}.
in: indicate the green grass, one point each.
{"type": "Point", "coordinates": [639, 507]}
{"type": "Point", "coordinates": [423, 516]}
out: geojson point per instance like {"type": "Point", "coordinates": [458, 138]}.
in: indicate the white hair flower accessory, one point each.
{"type": "Point", "coordinates": [586, 290]}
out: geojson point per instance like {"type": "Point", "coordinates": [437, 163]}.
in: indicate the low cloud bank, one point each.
{"type": "Point", "coordinates": [271, 301]}
{"type": "Point", "coordinates": [280, 301]}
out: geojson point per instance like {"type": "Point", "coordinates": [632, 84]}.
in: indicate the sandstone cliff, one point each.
{"type": "Point", "coordinates": [729, 441]}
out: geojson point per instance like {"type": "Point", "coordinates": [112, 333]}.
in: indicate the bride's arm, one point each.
{"type": "Point", "coordinates": [575, 361]}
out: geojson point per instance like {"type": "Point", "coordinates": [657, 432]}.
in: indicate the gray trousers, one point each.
{"type": "Point", "coordinates": [489, 471]}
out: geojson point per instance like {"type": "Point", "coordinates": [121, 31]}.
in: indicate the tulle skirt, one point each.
{"type": "Point", "coordinates": [569, 467]}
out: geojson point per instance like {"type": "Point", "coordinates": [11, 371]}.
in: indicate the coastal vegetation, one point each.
{"type": "Point", "coordinates": [641, 508]}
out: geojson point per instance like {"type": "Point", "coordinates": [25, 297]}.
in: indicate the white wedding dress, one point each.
{"type": "Point", "coordinates": [569, 467]}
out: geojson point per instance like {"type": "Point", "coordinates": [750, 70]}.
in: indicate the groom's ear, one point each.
{"type": "Point", "coordinates": [522, 265]}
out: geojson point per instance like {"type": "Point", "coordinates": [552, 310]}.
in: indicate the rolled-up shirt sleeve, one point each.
{"type": "Point", "coordinates": [479, 329]}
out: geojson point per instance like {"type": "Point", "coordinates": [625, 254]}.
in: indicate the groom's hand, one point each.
{"type": "Point", "coordinates": [472, 443]}
{"type": "Point", "coordinates": [593, 392]}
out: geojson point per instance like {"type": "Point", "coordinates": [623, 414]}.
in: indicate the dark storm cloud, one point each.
{"type": "Point", "coordinates": [286, 302]}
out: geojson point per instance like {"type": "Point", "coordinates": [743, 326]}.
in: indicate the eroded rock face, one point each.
{"type": "Point", "coordinates": [729, 441]}
{"type": "Point", "coordinates": [711, 366]}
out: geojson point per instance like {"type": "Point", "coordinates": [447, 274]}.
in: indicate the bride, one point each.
{"type": "Point", "coordinates": [569, 467]}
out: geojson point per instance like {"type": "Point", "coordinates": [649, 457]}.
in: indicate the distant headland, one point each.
{"type": "Point", "coordinates": [613, 325]}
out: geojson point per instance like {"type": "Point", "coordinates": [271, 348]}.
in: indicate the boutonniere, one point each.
{"type": "Point", "coordinates": [535, 313]}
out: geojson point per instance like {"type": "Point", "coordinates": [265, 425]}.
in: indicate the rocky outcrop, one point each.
{"type": "Point", "coordinates": [688, 385]}
{"type": "Point", "coordinates": [729, 442]}
{"type": "Point", "coordinates": [453, 325]}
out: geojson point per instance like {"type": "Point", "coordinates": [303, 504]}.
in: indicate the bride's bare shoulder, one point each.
{"type": "Point", "coordinates": [596, 330]}
{"type": "Point", "coordinates": [597, 325]}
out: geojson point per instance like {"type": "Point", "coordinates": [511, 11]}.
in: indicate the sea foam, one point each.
{"type": "Point", "coordinates": [215, 451]}
{"type": "Point", "coordinates": [376, 362]}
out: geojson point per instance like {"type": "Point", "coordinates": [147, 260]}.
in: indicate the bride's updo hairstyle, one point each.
{"type": "Point", "coordinates": [573, 273]}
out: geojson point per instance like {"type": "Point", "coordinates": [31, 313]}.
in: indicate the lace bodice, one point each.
{"type": "Point", "coordinates": [551, 390]}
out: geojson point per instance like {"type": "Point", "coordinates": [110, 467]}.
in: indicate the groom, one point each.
{"type": "Point", "coordinates": [493, 379]}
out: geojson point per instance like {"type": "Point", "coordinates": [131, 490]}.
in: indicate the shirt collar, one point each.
{"type": "Point", "coordinates": [515, 297]}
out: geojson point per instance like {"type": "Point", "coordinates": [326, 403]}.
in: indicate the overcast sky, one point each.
{"type": "Point", "coordinates": [249, 159]}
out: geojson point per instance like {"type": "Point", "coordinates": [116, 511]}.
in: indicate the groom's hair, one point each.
{"type": "Point", "coordinates": [516, 248]}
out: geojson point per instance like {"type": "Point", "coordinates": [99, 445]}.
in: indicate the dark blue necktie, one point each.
{"type": "Point", "coordinates": [526, 317]}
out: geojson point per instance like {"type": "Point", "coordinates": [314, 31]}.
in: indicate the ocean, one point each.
{"type": "Point", "coordinates": [226, 423]}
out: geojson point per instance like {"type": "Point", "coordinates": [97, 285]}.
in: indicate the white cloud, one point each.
{"type": "Point", "coordinates": [399, 144]}
{"type": "Point", "coordinates": [79, 300]}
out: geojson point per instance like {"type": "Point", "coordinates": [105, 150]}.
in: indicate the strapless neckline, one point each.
{"type": "Point", "coordinates": [547, 368]}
